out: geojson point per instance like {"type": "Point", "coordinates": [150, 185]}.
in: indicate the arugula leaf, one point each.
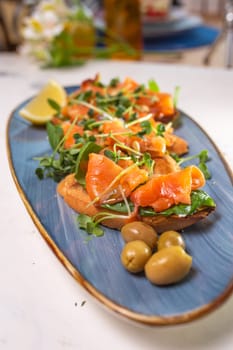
{"type": "Point", "coordinates": [119, 207]}
{"type": "Point", "coordinates": [111, 155]}
{"type": "Point", "coordinates": [82, 160]}
{"type": "Point", "coordinates": [55, 134]}
{"type": "Point", "coordinates": [199, 199]}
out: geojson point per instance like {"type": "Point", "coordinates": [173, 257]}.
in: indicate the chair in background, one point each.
{"type": "Point", "coordinates": [225, 34]}
{"type": "Point", "coordinates": [4, 30]}
{"type": "Point", "coordinates": [11, 14]}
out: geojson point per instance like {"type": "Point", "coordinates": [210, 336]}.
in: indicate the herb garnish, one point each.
{"type": "Point", "coordinates": [86, 223]}
{"type": "Point", "coordinates": [160, 130]}
{"type": "Point", "coordinates": [176, 96]}
{"type": "Point", "coordinates": [146, 128]}
{"type": "Point", "coordinates": [203, 158]}
{"type": "Point", "coordinates": [82, 161]}
{"type": "Point", "coordinates": [153, 86]}
{"type": "Point", "coordinates": [54, 105]}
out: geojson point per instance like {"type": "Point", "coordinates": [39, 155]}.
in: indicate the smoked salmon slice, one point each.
{"type": "Point", "coordinates": [105, 180]}
{"type": "Point", "coordinates": [69, 131]}
{"type": "Point", "coordinates": [163, 191]}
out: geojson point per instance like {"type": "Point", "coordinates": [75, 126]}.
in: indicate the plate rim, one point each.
{"type": "Point", "coordinates": [154, 320]}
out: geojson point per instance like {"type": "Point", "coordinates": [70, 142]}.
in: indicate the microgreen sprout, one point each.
{"type": "Point", "coordinates": [146, 128]}
{"type": "Point", "coordinates": [153, 85]}
{"type": "Point", "coordinates": [99, 110]}
{"type": "Point", "coordinates": [176, 96]}
{"type": "Point", "coordinates": [123, 146]}
{"type": "Point", "coordinates": [203, 158]}
{"type": "Point", "coordinates": [160, 130]}
{"type": "Point", "coordinates": [140, 120]}
{"type": "Point", "coordinates": [87, 223]}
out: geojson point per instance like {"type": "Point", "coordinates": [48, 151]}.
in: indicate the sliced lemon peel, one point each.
{"type": "Point", "coordinates": [38, 111]}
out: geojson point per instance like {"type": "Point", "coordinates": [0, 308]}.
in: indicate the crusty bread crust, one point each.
{"type": "Point", "coordinates": [77, 198]}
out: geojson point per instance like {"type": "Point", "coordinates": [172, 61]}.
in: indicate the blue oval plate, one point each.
{"type": "Point", "coordinates": [95, 262]}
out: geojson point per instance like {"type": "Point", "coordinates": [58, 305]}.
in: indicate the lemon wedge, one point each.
{"type": "Point", "coordinates": [38, 111]}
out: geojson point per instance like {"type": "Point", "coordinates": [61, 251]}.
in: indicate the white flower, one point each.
{"type": "Point", "coordinates": [46, 22]}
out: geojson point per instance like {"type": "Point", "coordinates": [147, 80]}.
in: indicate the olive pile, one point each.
{"type": "Point", "coordinates": [162, 258]}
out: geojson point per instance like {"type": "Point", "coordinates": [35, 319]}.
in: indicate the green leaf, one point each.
{"type": "Point", "coordinates": [54, 105]}
{"type": "Point", "coordinates": [160, 130]}
{"type": "Point", "coordinates": [199, 200]}
{"type": "Point", "coordinates": [146, 128]}
{"type": "Point", "coordinates": [91, 112]}
{"type": "Point", "coordinates": [83, 220]}
{"type": "Point", "coordinates": [114, 82]}
{"type": "Point", "coordinates": [45, 162]}
{"type": "Point", "coordinates": [133, 117]}
{"type": "Point", "coordinates": [40, 173]}
{"type": "Point", "coordinates": [176, 96]}
{"type": "Point", "coordinates": [84, 96]}
{"type": "Point", "coordinates": [74, 151]}
{"type": "Point", "coordinates": [205, 170]}
{"type": "Point", "coordinates": [175, 157]}
{"type": "Point", "coordinates": [55, 134]}
{"type": "Point", "coordinates": [148, 161]}
{"type": "Point", "coordinates": [110, 154]}
{"type": "Point", "coordinates": [82, 160]}
{"type": "Point", "coordinates": [120, 110]}
{"type": "Point", "coordinates": [94, 229]}
{"type": "Point", "coordinates": [153, 86]}
{"type": "Point", "coordinates": [140, 88]}
{"type": "Point", "coordinates": [119, 207]}
{"type": "Point", "coordinates": [86, 223]}
{"type": "Point", "coordinates": [203, 156]}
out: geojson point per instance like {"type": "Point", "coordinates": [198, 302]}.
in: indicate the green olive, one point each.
{"type": "Point", "coordinates": [135, 255]}
{"type": "Point", "coordinates": [170, 238]}
{"type": "Point", "coordinates": [167, 266]}
{"type": "Point", "coordinates": [139, 230]}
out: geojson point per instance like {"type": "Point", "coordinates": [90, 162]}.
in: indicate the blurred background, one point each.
{"type": "Point", "coordinates": [195, 32]}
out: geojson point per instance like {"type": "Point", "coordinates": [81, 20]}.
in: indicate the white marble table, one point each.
{"type": "Point", "coordinates": [41, 306]}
